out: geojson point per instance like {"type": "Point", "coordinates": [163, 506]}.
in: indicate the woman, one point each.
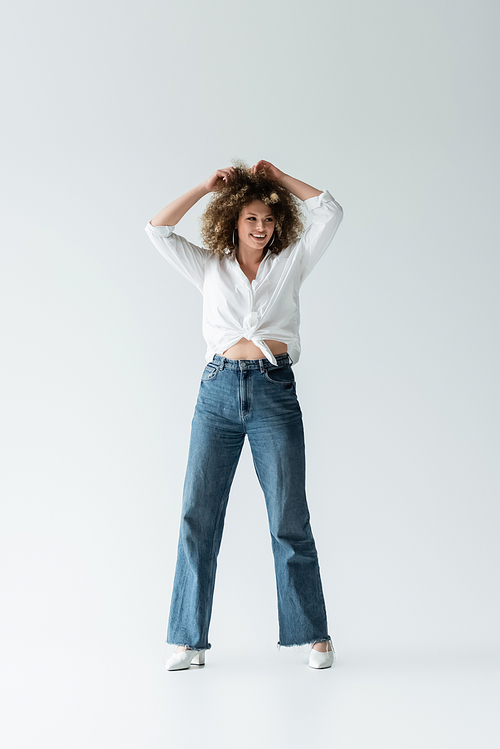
{"type": "Point", "coordinates": [249, 273]}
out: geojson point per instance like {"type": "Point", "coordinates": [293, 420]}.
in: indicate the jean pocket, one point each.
{"type": "Point", "coordinates": [210, 372]}
{"type": "Point", "coordinates": [280, 375]}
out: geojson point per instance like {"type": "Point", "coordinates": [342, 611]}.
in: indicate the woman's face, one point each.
{"type": "Point", "coordinates": [255, 225]}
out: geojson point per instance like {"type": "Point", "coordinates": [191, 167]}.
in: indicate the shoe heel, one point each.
{"type": "Point", "coordinates": [199, 659]}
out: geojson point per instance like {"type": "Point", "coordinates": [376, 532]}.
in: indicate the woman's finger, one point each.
{"type": "Point", "coordinates": [226, 174]}
{"type": "Point", "coordinates": [264, 165]}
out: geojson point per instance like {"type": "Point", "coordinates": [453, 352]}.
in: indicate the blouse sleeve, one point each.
{"type": "Point", "coordinates": [326, 216]}
{"type": "Point", "coordinates": [187, 258]}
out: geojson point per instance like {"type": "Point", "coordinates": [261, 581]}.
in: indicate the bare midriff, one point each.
{"type": "Point", "coordinates": [246, 349]}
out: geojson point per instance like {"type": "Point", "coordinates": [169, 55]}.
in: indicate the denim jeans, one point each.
{"type": "Point", "coordinates": [258, 399]}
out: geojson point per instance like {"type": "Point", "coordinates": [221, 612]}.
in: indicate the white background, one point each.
{"type": "Point", "coordinates": [112, 110]}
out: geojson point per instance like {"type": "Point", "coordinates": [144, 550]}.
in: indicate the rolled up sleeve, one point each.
{"type": "Point", "coordinates": [326, 215]}
{"type": "Point", "coordinates": [186, 257]}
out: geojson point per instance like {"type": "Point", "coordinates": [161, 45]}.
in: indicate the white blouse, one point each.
{"type": "Point", "coordinates": [267, 307]}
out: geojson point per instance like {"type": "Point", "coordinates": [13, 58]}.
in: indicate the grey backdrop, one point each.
{"type": "Point", "coordinates": [111, 111]}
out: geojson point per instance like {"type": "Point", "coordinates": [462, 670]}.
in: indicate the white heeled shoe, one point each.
{"type": "Point", "coordinates": [318, 659]}
{"type": "Point", "coordinates": [184, 659]}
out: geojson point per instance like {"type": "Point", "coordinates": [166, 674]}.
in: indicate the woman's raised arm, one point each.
{"type": "Point", "coordinates": [301, 190]}
{"type": "Point", "coordinates": [173, 212]}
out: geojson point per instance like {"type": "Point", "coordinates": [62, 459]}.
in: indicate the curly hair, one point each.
{"type": "Point", "coordinates": [220, 217]}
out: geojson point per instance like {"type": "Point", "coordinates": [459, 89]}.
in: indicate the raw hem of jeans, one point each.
{"type": "Point", "coordinates": [307, 642]}
{"type": "Point", "coordinates": [185, 645]}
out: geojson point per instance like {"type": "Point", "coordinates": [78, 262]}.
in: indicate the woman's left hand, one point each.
{"type": "Point", "coordinates": [271, 171]}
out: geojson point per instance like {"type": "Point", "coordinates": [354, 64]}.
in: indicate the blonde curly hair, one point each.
{"type": "Point", "coordinates": [220, 217]}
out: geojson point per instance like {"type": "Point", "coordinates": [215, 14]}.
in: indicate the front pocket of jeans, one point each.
{"type": "Point", "coordinates": [210, 372]}
{"type": "Point", "coordinates": [280, 376]}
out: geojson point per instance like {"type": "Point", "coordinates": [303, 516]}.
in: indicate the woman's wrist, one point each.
{"type": "Point", "coordinates": [202, 190]}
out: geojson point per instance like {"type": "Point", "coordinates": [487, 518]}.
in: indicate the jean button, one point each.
{"type": "Point", "coordinates": [242, 365]}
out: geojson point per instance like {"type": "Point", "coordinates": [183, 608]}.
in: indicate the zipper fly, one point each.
{"type": "Point", "coordinates": [244, 408]}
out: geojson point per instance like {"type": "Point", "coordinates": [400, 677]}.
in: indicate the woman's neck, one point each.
{"type": "Point", "coordinates": [249, 257]}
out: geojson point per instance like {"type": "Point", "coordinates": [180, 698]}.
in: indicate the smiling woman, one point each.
{"type": "Point", "coordinates": [249, 273]}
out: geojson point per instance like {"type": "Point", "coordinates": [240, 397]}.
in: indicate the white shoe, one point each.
{"type": "Point", "coordinates": [317, 659]}
{"type": "Point", "coordinates": [184, 659]}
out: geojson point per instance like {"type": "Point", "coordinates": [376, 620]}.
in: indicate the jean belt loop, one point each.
{"type": "Point", "coordinates": [221, 365]}
{"type": "Point", "coordinates": [262, 365]}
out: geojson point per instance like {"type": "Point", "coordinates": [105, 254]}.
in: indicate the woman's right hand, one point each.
{"type": "Point", "coordinates": [219, 179]}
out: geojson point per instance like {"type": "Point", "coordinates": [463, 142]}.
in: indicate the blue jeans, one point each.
{"type": "Point", "coordinates": [258, 399]}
